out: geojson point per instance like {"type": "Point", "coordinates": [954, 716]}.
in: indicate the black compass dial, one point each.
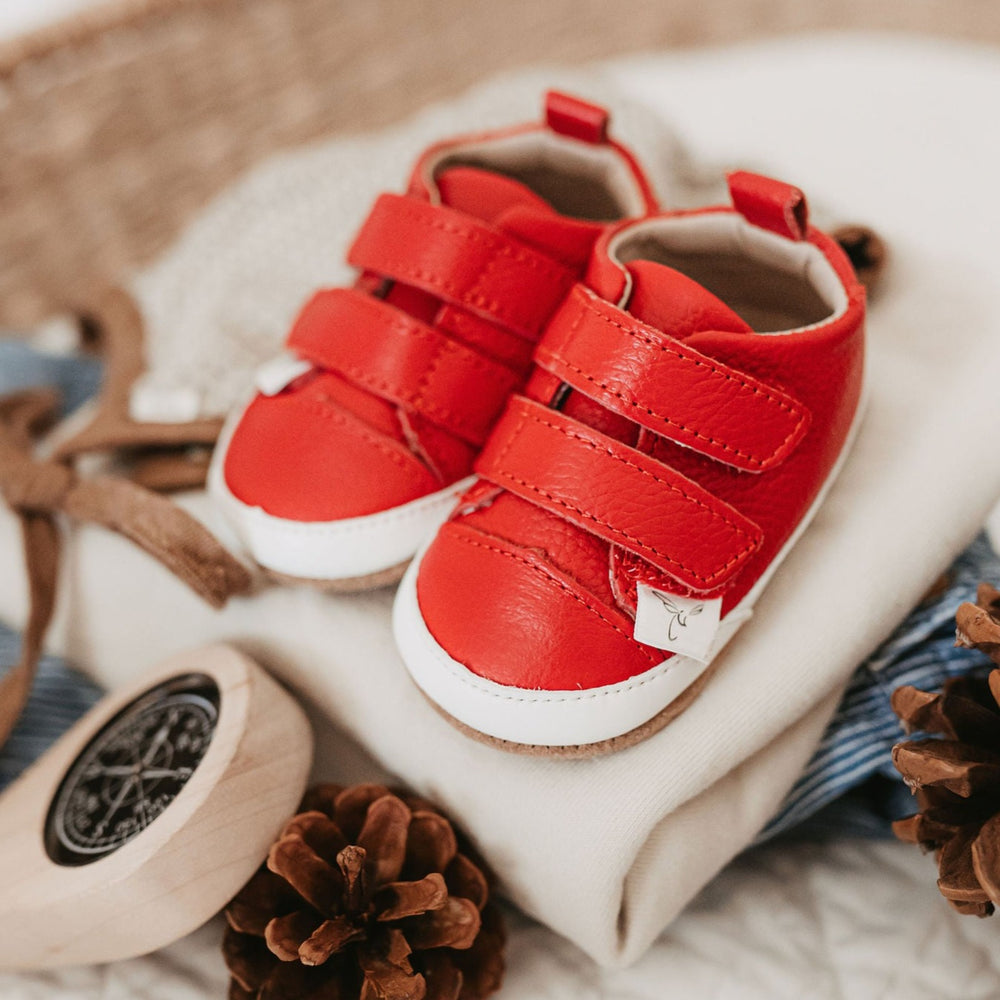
{"type": "Point", "coordinates": [132, 770]}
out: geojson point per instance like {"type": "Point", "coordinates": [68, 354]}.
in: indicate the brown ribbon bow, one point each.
{"type": "Point", "coordinates": [38, 491]}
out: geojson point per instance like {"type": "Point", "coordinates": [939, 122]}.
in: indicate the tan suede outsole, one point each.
{"type": "Point", "coordinates": [585, 750]}
{"type": "Point", "coordinates": [351, 585]}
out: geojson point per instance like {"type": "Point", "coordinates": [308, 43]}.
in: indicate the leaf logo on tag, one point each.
{"type": "Point", "coordinates": [678, 616]}
{"type": "Point", "coordinates": [684, 625]}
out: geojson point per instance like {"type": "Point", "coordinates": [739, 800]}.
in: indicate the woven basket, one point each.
{"type": "Point", "coordinates": [117, 126]}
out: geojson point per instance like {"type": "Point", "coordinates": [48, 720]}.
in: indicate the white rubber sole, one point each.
{"type": "Point", "coordinates": [356, 549]}
{"type": "Point", "coordinates": [572, 718]}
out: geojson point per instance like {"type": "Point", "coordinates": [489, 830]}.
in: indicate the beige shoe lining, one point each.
{"type": "Point", "coordinates": [578, 179]}
{"type": "Point", "coordinates": [774, 284]}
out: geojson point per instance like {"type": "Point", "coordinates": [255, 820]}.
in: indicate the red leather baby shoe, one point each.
{"type": "Point", "coordinates": [692, 403]}
{"type": "Point", "coordinates": [359, 441]}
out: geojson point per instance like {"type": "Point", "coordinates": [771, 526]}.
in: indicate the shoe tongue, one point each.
{"type": "Point", "coordinates": [515, 208]}
{"type": "Point", "coordinates": [672, 302]}
{"type": "Point", "coordinates": [667, 300]}
{"type": "Point", "coordinates": [486, 195]}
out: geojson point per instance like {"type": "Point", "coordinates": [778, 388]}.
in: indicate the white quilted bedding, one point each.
{"type": "Point", "coordinates": [843, 921]}
{"type": "Point", "coordinates": [852, 920]}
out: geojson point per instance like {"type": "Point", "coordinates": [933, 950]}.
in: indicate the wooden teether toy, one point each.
{"type": "Point", "coordinates": [149, 815]}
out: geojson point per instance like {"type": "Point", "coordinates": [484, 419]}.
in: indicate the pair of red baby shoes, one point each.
{"type": "Point", "coordinates": [592, 429]}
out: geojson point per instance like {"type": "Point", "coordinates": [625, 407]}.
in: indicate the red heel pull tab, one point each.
{"type": "Point", "coordinates": [770, 204]}
{"type": "Point", "coordinates": [579, 119]}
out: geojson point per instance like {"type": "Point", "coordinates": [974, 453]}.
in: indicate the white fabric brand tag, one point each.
{"type": "Point", "coordinates": [683, 625]}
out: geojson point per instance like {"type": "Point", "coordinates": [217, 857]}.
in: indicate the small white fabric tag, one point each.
{"type": "Point", "coordinates": [274, 375]}
{"type": "Point", "coordinates": [683, 625]}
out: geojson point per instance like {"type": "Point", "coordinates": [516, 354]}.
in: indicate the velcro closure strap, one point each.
{"type": "Point", "coordinates": [620, 494]}
{"type": "Point", "coordinates": [461, 260]}
{"type": "Point", "coordinates": [668, 387]}
{"type": "Point", "coordinates": [379, 347]}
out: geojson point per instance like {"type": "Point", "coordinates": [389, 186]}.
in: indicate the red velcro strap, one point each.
{"type": "Point", "coordinates": [385, 350]}
{"type": "Point", "coordinates": [461, 260]}
{"type": "Point", "coordinates": [617, 493]}
{"type": "Point", "coordinates": [673, 390]}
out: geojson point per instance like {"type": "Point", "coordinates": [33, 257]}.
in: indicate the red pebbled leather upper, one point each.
{"type": "Point", "coordinates": [412, 366]}
{"type": "Point", "coordinates": [461, 261]}
{"type": "Point", "coordinates": [668, 387]}
{"type": "Point", "coordinates": [532, 582]}
{"type": "Point", "coordinates": [617, 493]}
{"type": "Point", "coordinates": [405, 361]}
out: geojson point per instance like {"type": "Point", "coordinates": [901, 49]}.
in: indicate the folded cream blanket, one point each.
{"type": "Point", "coordinates": [608, 851]}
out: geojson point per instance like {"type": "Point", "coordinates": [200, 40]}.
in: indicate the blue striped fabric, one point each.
{"type": "Point", "coordinates": [856, 749]}
{"type": "Point", "coordinates": [59, 697]}
{"type": "Point", "coordinates": [77, 378]}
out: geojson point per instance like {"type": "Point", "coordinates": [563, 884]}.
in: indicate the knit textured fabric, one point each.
{"type": "Point", "coordinates": [279, 234]}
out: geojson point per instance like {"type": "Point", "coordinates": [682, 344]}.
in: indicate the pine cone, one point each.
{"type": "Point", "coordinates": [956, 777]}
{"type": "Point", "coordinates": [365, 895]}
{"type": "Point", "coordinates": [866, 251]}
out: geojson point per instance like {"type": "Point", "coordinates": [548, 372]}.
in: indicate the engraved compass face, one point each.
{"type": "Point", "coordinates": [132, 770]}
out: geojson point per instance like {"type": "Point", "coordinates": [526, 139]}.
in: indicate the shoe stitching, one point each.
{"type": "Point", "coordinates": [552, 578]}
{"type": "Point", "coordinates": [320, 410]}
{"type": "Point", "coordinates": [760, 463]}
{"type": "Point", "coordinates": [720, 572]}
{"type": "Point", "coordinates": [499, 241]}
{"type": "Point", "coordinates": [471, 295]}
{"type": "Point", "coordinates": [465, 424]}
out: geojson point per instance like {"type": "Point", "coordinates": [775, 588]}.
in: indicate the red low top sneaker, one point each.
{"type": "Point", "coordinates": [359, 440]}
{"type": "Point", "coordinates": [690, 406]}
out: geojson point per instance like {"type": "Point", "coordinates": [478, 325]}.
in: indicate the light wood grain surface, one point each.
{"type": "Point", "coordinates": [187, 864]}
